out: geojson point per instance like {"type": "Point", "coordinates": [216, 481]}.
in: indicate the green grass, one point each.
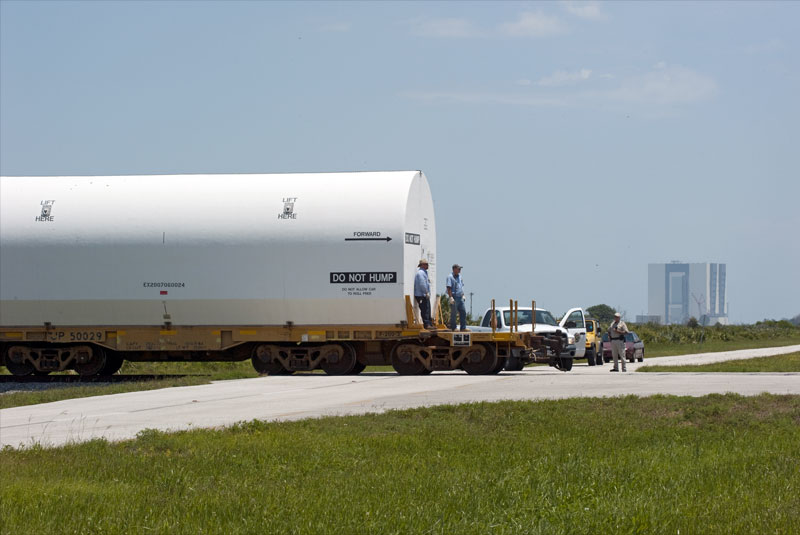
{"type": "Point", "coordinates": [717, 464]}
{"type": "Point", "coordinates": [654, 349]}
{"type": "Point", "coordinates": [789, 363]}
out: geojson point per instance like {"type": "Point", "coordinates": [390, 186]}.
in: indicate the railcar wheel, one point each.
{"type": "Point", "coordinates": [93, 365]}
{"type": "Point", "coordinates": [113, 364]}
{"type": "Point", "coordinates": [340, 359]}
{"type": "Point", "coordinates": [358, 368]}
{"type": "Point", "coordinates": [514, 364]}
{"type": "Point", "coordinates": [19, 369]}
{"type": "Point", "coordinates": [501, 363]}
{"type": "Point", "coordinates": [405, 360]}
{"type": "Point", "coordinates": [564, 363]}
{"type": "Point", "coordinates": [265, 362]}
{"type": "Point", "coordinates": [480, 360]}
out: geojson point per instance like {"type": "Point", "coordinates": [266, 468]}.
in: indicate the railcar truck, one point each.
{"type": "Point", "coordinates": [292, 271]}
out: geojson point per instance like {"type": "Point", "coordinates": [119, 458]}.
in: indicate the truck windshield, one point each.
{"type": "Point", "coordinates": [524, 317]}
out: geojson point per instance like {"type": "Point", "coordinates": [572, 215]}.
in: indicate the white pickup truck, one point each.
{"type": "Point", "coordinates": [572, 330]}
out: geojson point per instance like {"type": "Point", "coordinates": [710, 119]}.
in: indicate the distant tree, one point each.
{"type": "Point", "coordinates": [602, 313]}
{"type": "Point", "coordinates": [693, 323]}
{"type": "Point", "coordinates": [444, 304]}
{"type": "Point", "coordinates": [796, 320]}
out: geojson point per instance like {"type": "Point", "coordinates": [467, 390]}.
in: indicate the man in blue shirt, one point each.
{"type": "Point", "coordinates": [422, 293]}
{"type": "Point", "coordinates": [455, 289]}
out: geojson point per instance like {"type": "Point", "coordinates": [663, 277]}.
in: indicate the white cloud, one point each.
{"type": "Point", "coordinates": [585, 10]}
{"type": "Point", "coordinates": [665, 85]}
{"type": "Point", "coordinates": [528, 24]}
{"type": "Point", "coordinates": [445, 28]}
{"type": "Point", "coordinates": [653, 93]}
{"type": "Point", "coordinates": [561, 78]}
{"type": "Point", "coordinates": [533, 25]}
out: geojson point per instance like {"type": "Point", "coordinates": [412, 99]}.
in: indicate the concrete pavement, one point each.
{"type": "Point", "coordinates": [122, 416]}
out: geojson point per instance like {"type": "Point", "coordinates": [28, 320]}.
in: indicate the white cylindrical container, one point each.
{"type": "Point", "coordinates": [263, 249]}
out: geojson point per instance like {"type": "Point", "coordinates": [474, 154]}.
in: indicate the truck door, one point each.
{"type": "Point", "coordinates": [577, 328]}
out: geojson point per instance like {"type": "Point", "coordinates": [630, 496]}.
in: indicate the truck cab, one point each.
{"type": "Point", "coordinates": [574, 321]}
{"type": "Point", "coordinates": [594, 343]}
{"type": "Point", "coordinates": [545, 325]}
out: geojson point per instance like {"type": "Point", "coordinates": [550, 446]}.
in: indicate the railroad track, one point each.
{"type": "Point", "coordinates": [82, 379]}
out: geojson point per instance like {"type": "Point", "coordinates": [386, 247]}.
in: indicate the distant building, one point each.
{"type": "Point", "coordinates": [648, 319]}
{"type": "Point", "coordinates": [679, 291]}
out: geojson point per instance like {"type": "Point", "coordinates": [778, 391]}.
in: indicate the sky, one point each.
{"type": "Point", "coordinates": [567, 144]}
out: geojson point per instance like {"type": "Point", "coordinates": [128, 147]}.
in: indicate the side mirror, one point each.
{"type": "Point", "coordinates": [599, 329]}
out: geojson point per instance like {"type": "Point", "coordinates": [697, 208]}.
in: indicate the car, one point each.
{"type": "Point", "coordinates": [594, 345]}
{"type": "Point", "coordinates": [634, 347]}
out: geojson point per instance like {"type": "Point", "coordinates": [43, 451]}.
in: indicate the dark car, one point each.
{"type": "Point", "coordinates": [634, 347]}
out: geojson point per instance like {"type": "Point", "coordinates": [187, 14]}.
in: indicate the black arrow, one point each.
{"type": "Point", "coordinates": [387, 238]}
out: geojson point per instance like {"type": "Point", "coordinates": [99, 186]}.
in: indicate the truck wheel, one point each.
{"type": "Point", "coordinates": [564, 363]}
{"type": "Point", "coordinates": [598, 356]}
{"type": "Point", "coordinates": [590, 356]}
{"type": "Point", "coordinates": [641, 356]}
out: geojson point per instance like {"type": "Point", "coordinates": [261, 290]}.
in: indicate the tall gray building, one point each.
{"type": "Point", "coordinates": [679, 291]}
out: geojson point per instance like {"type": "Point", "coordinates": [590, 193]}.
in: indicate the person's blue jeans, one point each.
{"type": "Point", "coordinates": [461, 309]}
{"type": "Point", "coordinates": [425, 311]}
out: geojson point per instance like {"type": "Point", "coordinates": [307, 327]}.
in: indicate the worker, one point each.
{"type": "Point", "coordinates": [616, 334]}
{"type": "Point", "coordinates": [455, 291]}
{"type": "Point", "coordinates": [422, 293]}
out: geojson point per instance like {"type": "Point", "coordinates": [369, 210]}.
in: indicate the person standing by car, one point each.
{"type": "Point", "coordinates": [422, 293]}
{"type": "Point", "coordinates": [455, 289]}
{"type": "Point", "coordinates": [616, 334]}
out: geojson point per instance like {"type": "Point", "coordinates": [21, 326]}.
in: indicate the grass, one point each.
{"type": "Point", "coordinates": [654, 349]}
{"type": "Point", "coordinates": [717, 464]}
{"type": "Point", "coordinates": [788, 363]}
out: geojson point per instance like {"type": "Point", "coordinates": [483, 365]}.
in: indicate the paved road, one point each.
{"type": "Point", "coordinates": [122, 416]}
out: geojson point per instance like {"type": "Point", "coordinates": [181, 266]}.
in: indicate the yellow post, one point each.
{"type": "Point", "coordinates": [439, 314]}
{"type": "Point", "coordinates": [410, 317]}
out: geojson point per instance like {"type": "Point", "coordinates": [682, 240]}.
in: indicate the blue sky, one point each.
{"type": "Point", "coordinates": [568, 144]}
